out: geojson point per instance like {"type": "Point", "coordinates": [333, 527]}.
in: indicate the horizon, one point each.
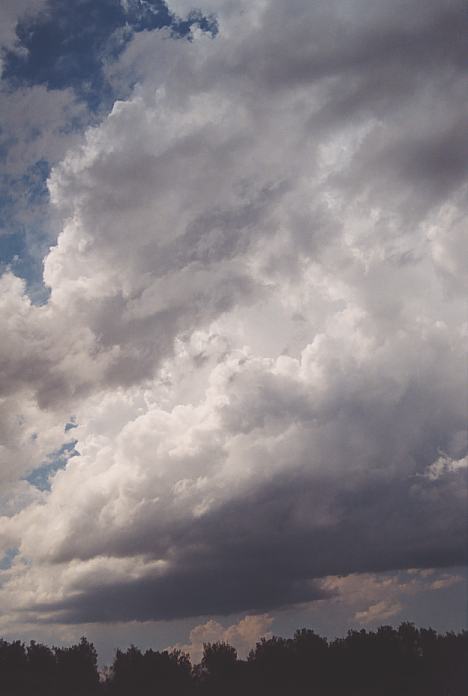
{"type": "Point", "coordinates": [195, 652]}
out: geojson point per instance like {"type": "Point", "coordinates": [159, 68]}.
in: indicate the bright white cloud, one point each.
{"type": "Point", "coordinates": [257, 316]}
{"type": "Point", "coordinates": [243, 635]}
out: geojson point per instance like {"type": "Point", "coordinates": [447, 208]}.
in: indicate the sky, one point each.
{"type": "Point", "coordinates": [234, 382]}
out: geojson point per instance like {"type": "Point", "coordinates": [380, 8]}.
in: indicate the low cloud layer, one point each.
{"type": "Point", "coordinates": [257, 319]}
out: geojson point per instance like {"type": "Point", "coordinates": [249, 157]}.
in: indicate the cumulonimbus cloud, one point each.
{"type": "Point", "coordinates": [257, 317]}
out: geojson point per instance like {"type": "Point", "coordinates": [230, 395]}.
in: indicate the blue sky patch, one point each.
{"type": "Point", "coordinates": [22, 245]}
{"type": "Point", "coordinates": [40, 477]}
{"type": "Point", "coordinates": [68, 44]}
{"type": "Point", "coordinates": [8, 557]}
{"type": "Point", "coordinates": [71, 425]}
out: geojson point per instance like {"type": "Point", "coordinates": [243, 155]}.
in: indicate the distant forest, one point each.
{"type": "Point", "coordinates": [387, 662]}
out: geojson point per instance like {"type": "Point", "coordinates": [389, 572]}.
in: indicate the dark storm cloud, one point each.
{"type": "Point", "coordinates": [277, 472]}
{"type": "Point", "coordinates": [379, 60]}
{"type": "Point", "coordinates": [384, 47]}
{"type": "Point", "coordinates": [351, 495]}
{"type": "Point", "coordinates": [258, 554]}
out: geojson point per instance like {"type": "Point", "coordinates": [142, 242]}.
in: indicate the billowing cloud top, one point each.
{"type": "Point", "coordinates": [257, 318]}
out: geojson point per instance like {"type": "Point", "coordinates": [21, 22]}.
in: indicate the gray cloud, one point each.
{"type": "Point", "coordinates": [258, 317]}
{"type": "Point", "coordinates": [10, 12]}
{"type": "Point", "coordinates": [267, 551]}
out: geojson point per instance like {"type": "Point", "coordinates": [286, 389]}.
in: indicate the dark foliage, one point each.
{"type": "Point", "coordinates": [37, 670]}
{"type": "Point", "coordinates": [388, 662]}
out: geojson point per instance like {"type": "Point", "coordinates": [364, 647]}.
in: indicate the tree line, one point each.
{"type": "Point", "coordinates": [404, 661]}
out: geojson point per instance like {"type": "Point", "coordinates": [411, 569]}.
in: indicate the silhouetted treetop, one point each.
{"type": "Point", "coordinates": [406, 661]}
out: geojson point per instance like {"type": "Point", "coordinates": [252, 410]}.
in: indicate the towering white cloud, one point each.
{"type": "Point", "coordinates": [257, 316]}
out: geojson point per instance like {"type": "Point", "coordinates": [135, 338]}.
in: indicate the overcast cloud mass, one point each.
{"type": "Point", "coordinates": [233, 355]}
